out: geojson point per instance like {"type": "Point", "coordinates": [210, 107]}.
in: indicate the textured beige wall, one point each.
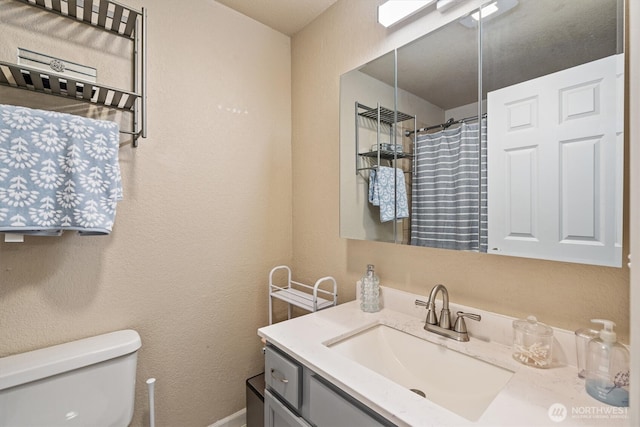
{"type": "Point", "coordinates": [207, 211]}
{"type": "Point", "coordinates": [347, 35]}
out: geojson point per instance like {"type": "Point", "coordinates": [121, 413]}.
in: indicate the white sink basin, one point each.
{"type": "Point", "coordinates": [463, 384]}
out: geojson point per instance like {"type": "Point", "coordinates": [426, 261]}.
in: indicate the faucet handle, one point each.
{"type": "Point", "coordinates": [460, 325]}
{"type": "Point", "coordinates": [432, 319]}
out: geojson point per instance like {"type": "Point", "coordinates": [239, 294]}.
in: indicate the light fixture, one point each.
{"type": "Point", "coordinates": [394, 11]}
{"type": "Point", "coordinates": [489, 11]}
{"type": "Point", "coordinates": [486, 11]}
{"type": "Point", "coordinates": [444, 5]}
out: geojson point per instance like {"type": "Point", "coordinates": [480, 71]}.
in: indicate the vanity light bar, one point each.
{"type": "Point", "coordinates": [444, 5]}
{"type": "Point", "coordinates": [490, 11]}
{"type": "Point", "coordinates": [394, 11]}
{"type": "Point", "coordinates": [486, 11]}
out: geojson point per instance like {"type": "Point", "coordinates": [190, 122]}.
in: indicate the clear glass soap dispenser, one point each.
{"type": "Point", "coordinates": [607, 377]}
{"type": "Point", "coordinates": [370, 291]}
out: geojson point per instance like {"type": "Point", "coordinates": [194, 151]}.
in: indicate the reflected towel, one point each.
{"type": "Point", "coordinates": [57, 172]}
{"type": "Point", "coordinates": [381, 193]}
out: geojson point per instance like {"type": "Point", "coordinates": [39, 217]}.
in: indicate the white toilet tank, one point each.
{"type": "Point", "coordinates": [89, 382]}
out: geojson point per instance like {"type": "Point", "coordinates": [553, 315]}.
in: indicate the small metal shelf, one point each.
{"type": "Point", "coordinates": [23, 77]}
{"type": "Point", "coordinates": [302, 295]}
{"type": "Point", "coordinates": [106, 15]}
{"type": "Point", "coordinates": [387, 155]}
{"type": "Point", "coordinates": [387, 116]}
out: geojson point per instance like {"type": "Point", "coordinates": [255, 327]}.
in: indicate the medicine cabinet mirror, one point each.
{"type": "Point", "coordinates": [500, 132]}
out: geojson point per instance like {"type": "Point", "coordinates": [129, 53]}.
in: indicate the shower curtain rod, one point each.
{"type": "Point", "coordinates": [444, 125]}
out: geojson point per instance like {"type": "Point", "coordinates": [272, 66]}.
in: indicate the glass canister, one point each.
{"type": "Point", "coordinates": [370, 298]}
{"type": "Point", "coordinates": [583, 336]}
{"type": "Point", "coordinates": [532, 342]}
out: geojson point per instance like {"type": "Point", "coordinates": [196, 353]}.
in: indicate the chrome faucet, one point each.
{"type": "Point", "coordinates": [443, 326]}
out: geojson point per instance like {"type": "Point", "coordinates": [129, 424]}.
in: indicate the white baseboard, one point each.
{"type": "Point", "coordinates": [239, 419]}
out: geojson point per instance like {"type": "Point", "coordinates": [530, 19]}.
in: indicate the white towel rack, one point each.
{"type": "Point", "coordinates": [302, 295]}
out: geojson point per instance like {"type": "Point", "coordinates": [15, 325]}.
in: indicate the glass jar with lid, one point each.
{"type": "Point", "coordinates": [532, 342]}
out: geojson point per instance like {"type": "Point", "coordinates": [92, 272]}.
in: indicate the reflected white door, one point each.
{"type": "Point", "coordinates": [555, 165]}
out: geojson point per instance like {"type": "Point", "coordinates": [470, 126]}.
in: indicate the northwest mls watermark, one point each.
{"type": "Point", "coordinates": [559, 412]}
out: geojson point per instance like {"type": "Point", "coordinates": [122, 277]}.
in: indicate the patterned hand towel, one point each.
{"type": "Point", "coordinates": [57, 172]}
{"type": "Point", "coordinates": [381, 193]}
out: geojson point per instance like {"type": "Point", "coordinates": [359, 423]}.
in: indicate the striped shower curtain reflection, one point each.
{"type": "Point", "coordinates": [449, 189]}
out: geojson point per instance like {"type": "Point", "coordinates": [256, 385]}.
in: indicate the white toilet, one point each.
{"type": "Point", "coordinates": [89, 382]}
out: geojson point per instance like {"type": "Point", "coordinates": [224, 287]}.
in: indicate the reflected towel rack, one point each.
{"type": "Point", "coordinates": [382, 116]}
{"type": "Point", "coordinates": [109, 16]}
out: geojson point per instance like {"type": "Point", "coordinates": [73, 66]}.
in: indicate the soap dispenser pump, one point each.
{"type": "Point", "coordinates": [607, 377]}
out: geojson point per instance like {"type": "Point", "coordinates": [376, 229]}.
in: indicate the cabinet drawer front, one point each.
{"type": "Point", "coordinates": [277, 415]}
{"type": "Point", "coordinates": [330, 407]}
{"type": "Point", "coordinates": [283, 376]}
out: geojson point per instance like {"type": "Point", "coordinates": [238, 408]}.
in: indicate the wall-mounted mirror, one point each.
{"type": "Point", "coordinates": [498, 134]}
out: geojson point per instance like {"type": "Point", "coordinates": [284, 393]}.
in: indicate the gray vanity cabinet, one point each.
{"type": "Point", "coordinates": [330, 406]}
{"type": "Point", "coordinates": [283, 377]}
{"type": "Point", "coordinates": [296, 396]}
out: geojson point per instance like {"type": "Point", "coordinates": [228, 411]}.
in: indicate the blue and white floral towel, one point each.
{"type": "Point", "coordinates": [57, 172]}
{"type": "Point", "coordinates": [381, 193]}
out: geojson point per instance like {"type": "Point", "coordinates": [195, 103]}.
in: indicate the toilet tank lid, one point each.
{"type": "Point", "coordinates": [45, 362]}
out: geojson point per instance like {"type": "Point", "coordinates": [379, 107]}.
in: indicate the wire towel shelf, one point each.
{"type": "Point", "coordinates": [106, 15]}
{"type": "Point", "coordinates": [302, 295]}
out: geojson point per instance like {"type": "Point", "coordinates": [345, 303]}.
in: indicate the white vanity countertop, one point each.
{"type": "Point", "coordinates": [525, 400]}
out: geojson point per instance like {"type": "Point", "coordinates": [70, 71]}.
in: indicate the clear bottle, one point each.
{"type": "Point", "coordinates": [370, 291]}
{"type": "Point", "coordinates": [607, 376]}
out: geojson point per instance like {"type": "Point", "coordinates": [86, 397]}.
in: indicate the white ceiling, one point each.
{"type": "Point", "coordinates": [285, 16]}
